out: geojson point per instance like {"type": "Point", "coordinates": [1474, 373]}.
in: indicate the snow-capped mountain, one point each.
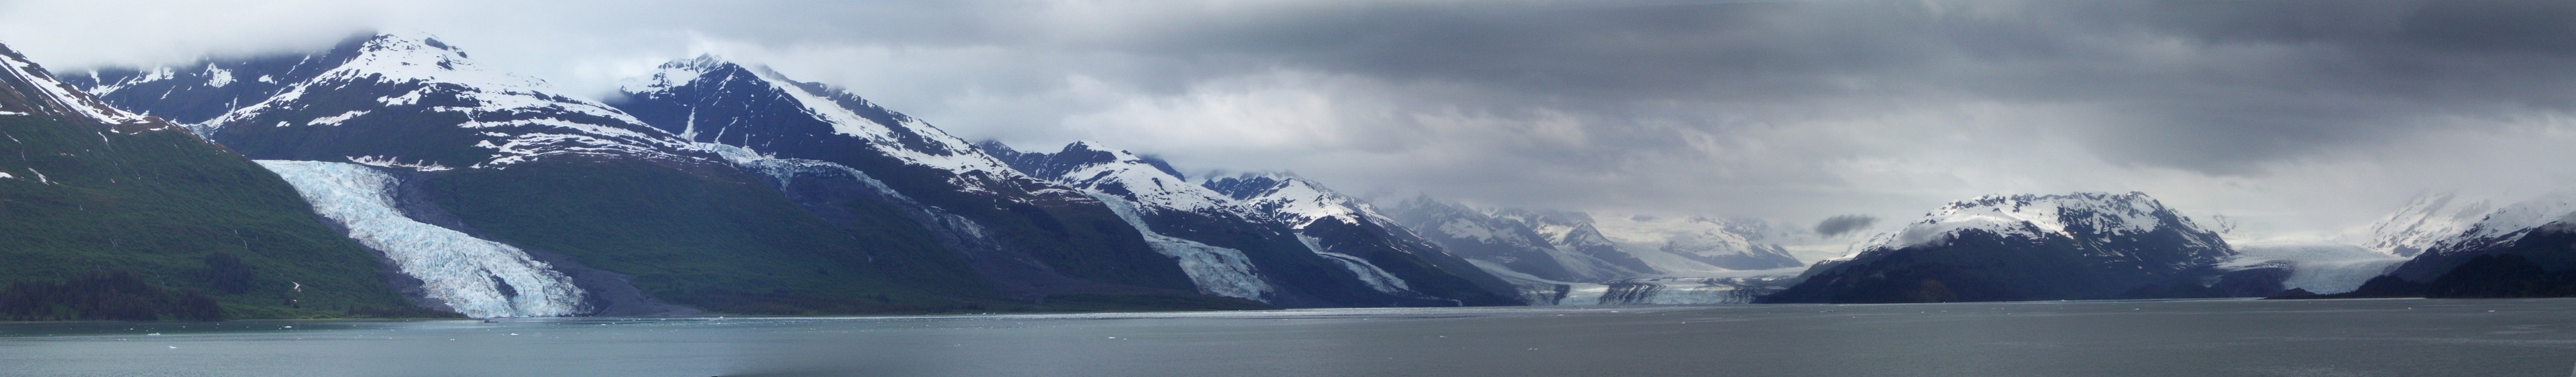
{"type": "Point", "coordinates": [2538, 229]}
{"type": "Point", "coordinates": [388, 100]}
{"type": "Point", "coordinates": [1026, 234]}
{"type": "Point", "coordinates": [1352, 232]}
{"type": "Point", "coordinates": [1194, 223]}
{"type": "Point", "coordinates": [2038, 247]}
{"type": "Point", "coordinates": [500, 176]}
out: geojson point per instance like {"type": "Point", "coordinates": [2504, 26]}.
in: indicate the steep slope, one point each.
{"type": "Point", "coordinates": [2540, 229]}
{"type": "Point", "coordinates": [1027, 236]}
{"type": "Point", "coordinates": [2038, 247]}
{"type": "Point", "coordinates": [1353, 233]}
{"type": "Point", "coordinates": [633, 216]}
{"type": "Point", "coordinates": [200, 232]}
{"type": "Point", "coordinates": [1198, 218]}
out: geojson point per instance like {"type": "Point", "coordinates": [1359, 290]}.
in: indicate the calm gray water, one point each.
{"type": "Point", "coordinates": [2397, 337]}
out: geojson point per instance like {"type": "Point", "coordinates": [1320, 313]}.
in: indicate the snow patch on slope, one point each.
{"type": "Point", "coordinates": [60, 97]}
{"type": "Point", "coordinates": [476, 277]}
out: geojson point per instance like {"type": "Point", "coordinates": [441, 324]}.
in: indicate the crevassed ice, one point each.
{"type": "Point", "coordinates": [468, 274]}
{"type": "Point", "coordinates": [1216, 270]}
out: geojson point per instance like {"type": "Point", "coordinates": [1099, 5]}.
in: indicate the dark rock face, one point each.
{"type": "Point", "coordinates": [2094, 246]}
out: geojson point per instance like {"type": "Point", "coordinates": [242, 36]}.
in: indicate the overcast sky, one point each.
{"type": "Point", "coordinates": [2292, 117]}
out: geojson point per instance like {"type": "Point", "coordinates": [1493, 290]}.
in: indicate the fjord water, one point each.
{"type": "Point", "coordinates": [2392, 337]}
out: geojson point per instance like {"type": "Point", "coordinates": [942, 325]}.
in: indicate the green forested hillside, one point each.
{"type": "Point", "coordinates": [86, 204]}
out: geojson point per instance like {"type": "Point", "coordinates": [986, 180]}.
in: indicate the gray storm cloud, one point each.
{"type": "Point", "coordinates": [2300, 115]}
{"type": "Point", "coordinates": [1844, 224]}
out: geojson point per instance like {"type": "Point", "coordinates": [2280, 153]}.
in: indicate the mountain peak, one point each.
{"type": "Point", "coordinates": [407, 100]}
{"type": "Point", "coordinates": [796, 112]}
{"type": "Point", "coordinates": [1292, 199]}
{"type": "Point", "coordinates": [2027, 215]}
{"type": "Point", "coordinates": [681, 72]}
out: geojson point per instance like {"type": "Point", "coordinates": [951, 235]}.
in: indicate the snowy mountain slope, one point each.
{"type": "Point", "coordinates": [1042, 233]}
{"type": "Point", "coordinates": [2424, 222]}
{"type": "Point", "coordinates": [1092, 167]}
{"type": "Point", "coordinates": [2086, 215]}
{"type": "Point", "coordinates": [1166, 206]}
{"type": "Point", "coordinates": [199, 91]}
{"type": "Point", "coordinates": [795, 118]}
{"type": "Point", "coordinates": [33, 91]}
{"type": "Point", "coordinates": [2038, 247]}
{"type": "Point", "coordinates": [1346, 228]}
{"type": "Point", "coordinates": [2535, 228]}
{"type": "Point", "coordinates": [1574, 233]}
{"type": "Point", "coordinates": [471, 276]}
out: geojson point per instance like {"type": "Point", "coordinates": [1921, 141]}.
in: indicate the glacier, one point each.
{"type": "Point", "coordinates": [1216, 270]}
{"type": "Point", "coordinates": [475, 277]}
{"type": "Point", "coordinates": [2320, 268]}
{"type": "Point", "coordinates": [1377, 278]}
